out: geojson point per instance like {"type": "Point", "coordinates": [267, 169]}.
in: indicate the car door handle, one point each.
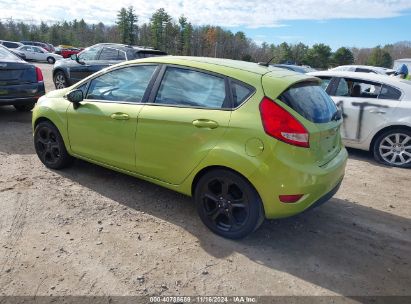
{"type": "Point", "coordinates": [205, 123]}
{"type": "Point", "coordinates": [377, 111]}
{"type": "Point", "coordinates": [119, 116]}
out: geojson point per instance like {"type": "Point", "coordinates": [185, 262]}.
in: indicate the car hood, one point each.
{"type": "Point", "coordinates": [58, 93]}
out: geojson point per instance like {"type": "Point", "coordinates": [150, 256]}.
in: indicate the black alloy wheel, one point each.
{"type": "Point", "coordinates": [50, 147]}
{"type": "Point", "coordinates": [228, 204]}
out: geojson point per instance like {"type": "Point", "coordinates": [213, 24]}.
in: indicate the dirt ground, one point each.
{"type": "Point", "coordinates": [90, 231]}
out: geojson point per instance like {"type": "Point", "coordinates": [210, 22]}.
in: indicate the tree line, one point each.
{"type": "Point", "coordinates": [181, 37]}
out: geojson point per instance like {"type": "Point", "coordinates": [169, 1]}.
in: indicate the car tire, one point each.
{"type": "Point", "coordinates": [228, 204]}
{"type": "Point", "coordinates": [24, 108]}
{"type": "Point", "coordinates": [393, 148]}
{"type": "Point", "coordinates": [49, 146]}
{"type": "Point", "coordinates": [51, 60]}
{"type": "Point", "coordinates": [60, 80]}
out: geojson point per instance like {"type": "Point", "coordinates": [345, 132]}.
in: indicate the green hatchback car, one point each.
{"type": "Point", "coordinates": [246, 141]}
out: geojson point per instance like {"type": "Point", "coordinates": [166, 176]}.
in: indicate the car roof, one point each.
{"type": "Point", "coordinates": [120, 45]}
{"type": "Point", "coordinates": [250, 67]}
{"type": "Point", "coordinates": [390, 80]}
{"type": "Point", "coordinates": [370, 67]}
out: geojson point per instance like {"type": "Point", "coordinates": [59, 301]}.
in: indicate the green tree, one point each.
{"type": "Point", "coordinates": [318, 56]}
{"type": "Point", "coordinates": [122, 25]}
{"type": "Point", "coordinates": [159, 21]}
{"type": "Point", "coordinates": [298, 52]}
{"type": "Point", "coordinates": [132, 19]}
{"type": "Point", "coordinates": [343, 56]}
{"type": "Point", "coordinates": [380, 57]}
{"type": "Point", "coordinates": [284, 53]}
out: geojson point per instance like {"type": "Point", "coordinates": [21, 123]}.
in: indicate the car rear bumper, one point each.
{"type": "Point", "coordinates": [316, 183]}
{"type": "Point", "coordinates": [21, 94]}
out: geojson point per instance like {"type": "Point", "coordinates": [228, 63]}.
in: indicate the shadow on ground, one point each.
{"type": "Point", "coordinates": [15, 131]}
{"type": "Point", "coordinates": [341, 246]}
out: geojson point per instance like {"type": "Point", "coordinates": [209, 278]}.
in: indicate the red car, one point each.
{"type": "Point", "coordinates": [66, 53]}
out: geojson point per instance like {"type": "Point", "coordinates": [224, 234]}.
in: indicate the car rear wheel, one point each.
{"type": "Point", "coordinates": [50, 146]}
{"type": "Point", "coordinates": [51, 60]}
{"type": "Point", "coordinates": [228, 204]}
{"type": "Point", "coordinates": [24, 108]}
{"type": "Point", "coordinates": [393, 148]}
{"type": "Point", "coordinates": [60, 80]}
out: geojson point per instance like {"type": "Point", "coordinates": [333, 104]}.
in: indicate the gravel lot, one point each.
{"type": "Point", "coordinates": [90, 231]}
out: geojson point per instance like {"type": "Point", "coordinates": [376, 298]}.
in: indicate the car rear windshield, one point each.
{"type": "Point", "coordinates": [310, 101]}
{"type": "Point", "coordinates": [147, 54]}
{"type": "Point", "coordinates": [7, 55]}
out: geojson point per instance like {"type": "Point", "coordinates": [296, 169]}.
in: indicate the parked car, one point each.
{"type": "Point", "coordinates": [364, 69]}
{"type": "Point", "coordinates": [11, 44]}
{"type": "Point", "coordinates": [21, 83]}
{"type": "Point", "coordinates": [95, 58]}
{"type": "Point", "coordinates": [39, 54]}
{"type": "Point", "coordinates": [377, 113]}
{"type": "Point", "coordinates": [295, 68]}
{"type": "Point", "coordinates": [66, 53]}
{"type": "Point", "coordinates": [246, 141]}
{"type": "Point", "coordinates": [46, 46]}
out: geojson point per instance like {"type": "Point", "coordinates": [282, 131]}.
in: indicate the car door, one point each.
{"type": "Point", "coordinates": [363, 107]}
{"type": "Point", "coordinates": [80, 69]}
{"type": "Point", "coordinates": [29, 52]}
{"type": "Point", "coordinates": [103, 127]}
{"type": "Point", "coordinates": [187, 114]}
{"type": "Point", "coordinates": [39, 54]}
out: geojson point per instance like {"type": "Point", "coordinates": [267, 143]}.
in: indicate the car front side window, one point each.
{"type": "Point", "coordinates": [185, 87]}
{"type": "Point", "coordinates": [89, 54]}
{"type": "Point", "coordinates": [125, 85]}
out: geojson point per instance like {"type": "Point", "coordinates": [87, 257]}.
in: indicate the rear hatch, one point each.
{"type": "Point", "coordinates": [13, 78]}
{"type": "Point", "coordinates": [12, 73]}
{"type": "Point", "coordinates": [311, 105]}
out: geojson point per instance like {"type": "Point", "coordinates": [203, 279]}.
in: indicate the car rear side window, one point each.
{"type": "Point", "coordinates": [5, 54]}
{"type": "Point", "coordinates": [112, 54]}
{"type": "Point", "coordinates": [126, 84]}
{"type": "Point", "coordinates": [10, 45]}
{"type": "Point", "coordinates": [310, 101]}
{"type": "Point", "coordinates": [388, 92]}
{"type": "Point", "coordinates": [240, 93]}
{"type": "Point", "coordinates": [358, 88]}
{"type": "Point", "coordinates": [185, 87]}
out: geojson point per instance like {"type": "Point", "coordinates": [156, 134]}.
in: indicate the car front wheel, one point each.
{"type": "Point", "coordinates": [50, 146]}
{"type": "Point", "coordinates": [393, 148]}
{"type": "Point", "coordinates": [51, 60]}
{"type": "Point", "coordinates": [228, 204]}
{"type": "Point", "coordinates": [60, 80]}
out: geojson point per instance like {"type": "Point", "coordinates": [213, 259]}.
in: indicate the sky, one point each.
{"type": "Point", "coordinates": [351, 23]}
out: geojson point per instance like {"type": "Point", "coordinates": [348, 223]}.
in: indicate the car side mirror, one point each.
{"type": "Point", "coordinates": [76, 58]}
{"type": "Point", "coordinates": [75, 96]}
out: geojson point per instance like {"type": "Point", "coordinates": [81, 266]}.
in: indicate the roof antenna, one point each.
{"type": "Point", "coordinates": [266, 64]}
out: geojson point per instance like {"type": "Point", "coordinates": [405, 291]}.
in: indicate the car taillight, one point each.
{"type": "Point", "coordinates": [280, 124]}
{"type": "Point", "coordinates": [39, 75]}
